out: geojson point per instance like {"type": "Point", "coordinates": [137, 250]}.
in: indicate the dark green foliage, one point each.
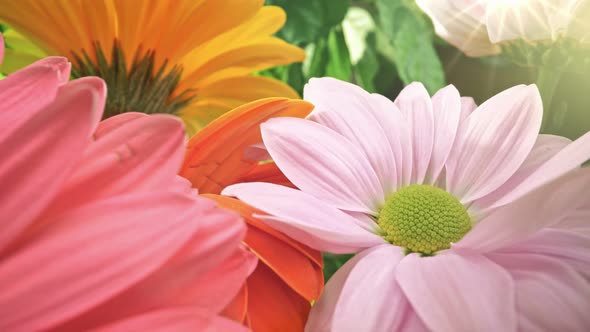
{"type": "Point", "coordinates": [143, 88]}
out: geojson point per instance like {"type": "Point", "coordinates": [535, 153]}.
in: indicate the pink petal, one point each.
{"type": "Point", "coordinates": [453, 292]}
{"type": "Point", "coordinates": [529, 214]}
{"type": "Point", "coordinates": [63, 66]}
{"type": "Point", "coordinates": [143, 154]}
{"type": "Point", "coordinates": [499, 135]}
{"type": "Point", "coordinates": [566, 246]}
{"type": "Point", "coordinates": [84, 270]}
{"type": "Point", "coordinates": [25, 93]}
{"type": "Point", "coordinates": [370, 298]}
{"type": "Point", "coordinates": [323, 163]}
{"type": "Point", "coordinates": [399, 137]}
{"type": "Point", "coordinates": [347, 109]}
{"type": "Point", "coordinates": [414, 103]}
{"type": "Point", "coordinates": [446, 104]}
{"type": "Point", "coordinates": [550, 295]}
{"type": "Point", "coordinates": [181, 319]}
{"type": "Point", "coordinates": [42, 152]}
{"type": "Point", "coordinates": [108, 125]}
{"type": "Point", "coordinates": [180, 281]}
{"type": "Point", "coordinates": [468, 105]}
{"type": "Point", "coordinates": [215, 290]}
{"type": "Point", "coordinates": [257, 151]}
{"type": "Point", "coordinates": [567, 159]}
{"type": "Point", "coordinates": [305, 218]}
{"type": "Point", "coordinates": [322, 315]}
{"type": "Point", "coordinates": [545, 148]}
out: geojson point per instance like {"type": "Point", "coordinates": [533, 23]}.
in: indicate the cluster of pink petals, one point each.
{"type": "Point", "coordinates": [98, 231]}
{"type": "Point", "coordinates": [524, 266]}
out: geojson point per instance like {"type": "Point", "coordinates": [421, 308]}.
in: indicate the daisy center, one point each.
{"type": "Point", "coordinates": [137, 87]}
{"type": "Point", "coordinates": [423, 218]}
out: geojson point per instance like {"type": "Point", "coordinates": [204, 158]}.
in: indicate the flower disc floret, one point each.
{"type": "Point", "coordinates": [423, 218]}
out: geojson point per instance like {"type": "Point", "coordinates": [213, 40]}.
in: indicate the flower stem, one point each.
{"type": "Point", "coordinates": [547, 80]}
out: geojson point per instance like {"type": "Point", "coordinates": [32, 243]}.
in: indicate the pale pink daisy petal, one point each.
{"type": "Point", "coordinates": [414, 103]}
{"type": "Point", "coordinates": [529, 214]}
{"type": "Point", "coordinates": [446, 104]}
{"type": "Point", "coordinates": [305, 218]}
{"type": "Point", "coordinates": [497, 139]}
{"type": "Point", "coordinates": [447, 292]}
{"type": "Point", "coordinates": [550, 294]}
{"type": "Point", "coordinates": [567, 159]}
{"type": "Point", "coordinates": [363, 308]}
{"type": "Point", "coordinates": [345, 108]}
{"type": "Point", "coordinates": [322, 317]}
{"type": "Point", "coordinates": [323, 163]}
{"type": "Point", "coordinates": [398, 134]}
{"type": "Point", "coordinates": [179, 319]}
{"type": "Point", "coordinates": [58, 146]}
{"type": "Point", "coordinates": [545, 148]}
{"type": "Point", "coordinates": [566, 246]}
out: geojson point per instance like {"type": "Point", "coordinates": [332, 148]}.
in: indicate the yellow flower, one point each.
{"type": "Point", "coordinates": [191, 58]}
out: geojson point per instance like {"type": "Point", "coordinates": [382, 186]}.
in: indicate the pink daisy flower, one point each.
{"type": "Point", "coordinates": [464, 218]}
{"type": "Point", "coordinates": [98, 231]}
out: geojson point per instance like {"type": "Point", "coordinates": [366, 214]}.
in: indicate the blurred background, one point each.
{"type": "Point", "coordinates": [383, 45]}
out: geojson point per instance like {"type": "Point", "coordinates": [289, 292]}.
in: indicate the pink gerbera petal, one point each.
{"type": "Point", "coordinates": [180, 319]}
{"type": "Point", "coordinates": [98, 226]}
{"type": "Point", "coordinates": [57, 147]}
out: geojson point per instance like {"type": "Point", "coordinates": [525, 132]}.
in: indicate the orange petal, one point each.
{"type": "Point", "coordinates": [215, 156]}
{"type": "Point", "coordinates": [272, 305]}
{"type": "Point", "coordinates": [238, 307]}
{"type": "Point", "coordinates": [297, 266]}
{"type": "Point", "coordinates": [268, 172]}
{"type": "Point", "coordinates": [291, 265]}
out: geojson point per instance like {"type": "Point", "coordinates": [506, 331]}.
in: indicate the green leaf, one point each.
{"type": "Point", "coordinates": [411, 39]}
{"type": "Point", "coordinates": [368, 66]}
{"type": "Point", "coordinates": [318, 59]}
{"type": "Point", "coordinates": [332, 263]}
{"type": "Point", "coordinates": [309, 20]}
{"type": "Point", "coordinates": [338, 65]}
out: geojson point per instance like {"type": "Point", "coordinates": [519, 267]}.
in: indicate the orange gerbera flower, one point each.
{"type": "Point", "coordinates": [288, 278]}
{"type": "Point", "coordinates": [191, 58]}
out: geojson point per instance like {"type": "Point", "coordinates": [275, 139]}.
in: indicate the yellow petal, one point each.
{"type": "Point", "coordinates": [220, 97]}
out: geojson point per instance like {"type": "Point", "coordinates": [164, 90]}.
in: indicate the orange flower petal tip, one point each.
{"type": "Point", "coordinates": [215, 156]}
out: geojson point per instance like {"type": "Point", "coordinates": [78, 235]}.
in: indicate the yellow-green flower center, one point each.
{"type": "Point", "coordinates": [423, 218]}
